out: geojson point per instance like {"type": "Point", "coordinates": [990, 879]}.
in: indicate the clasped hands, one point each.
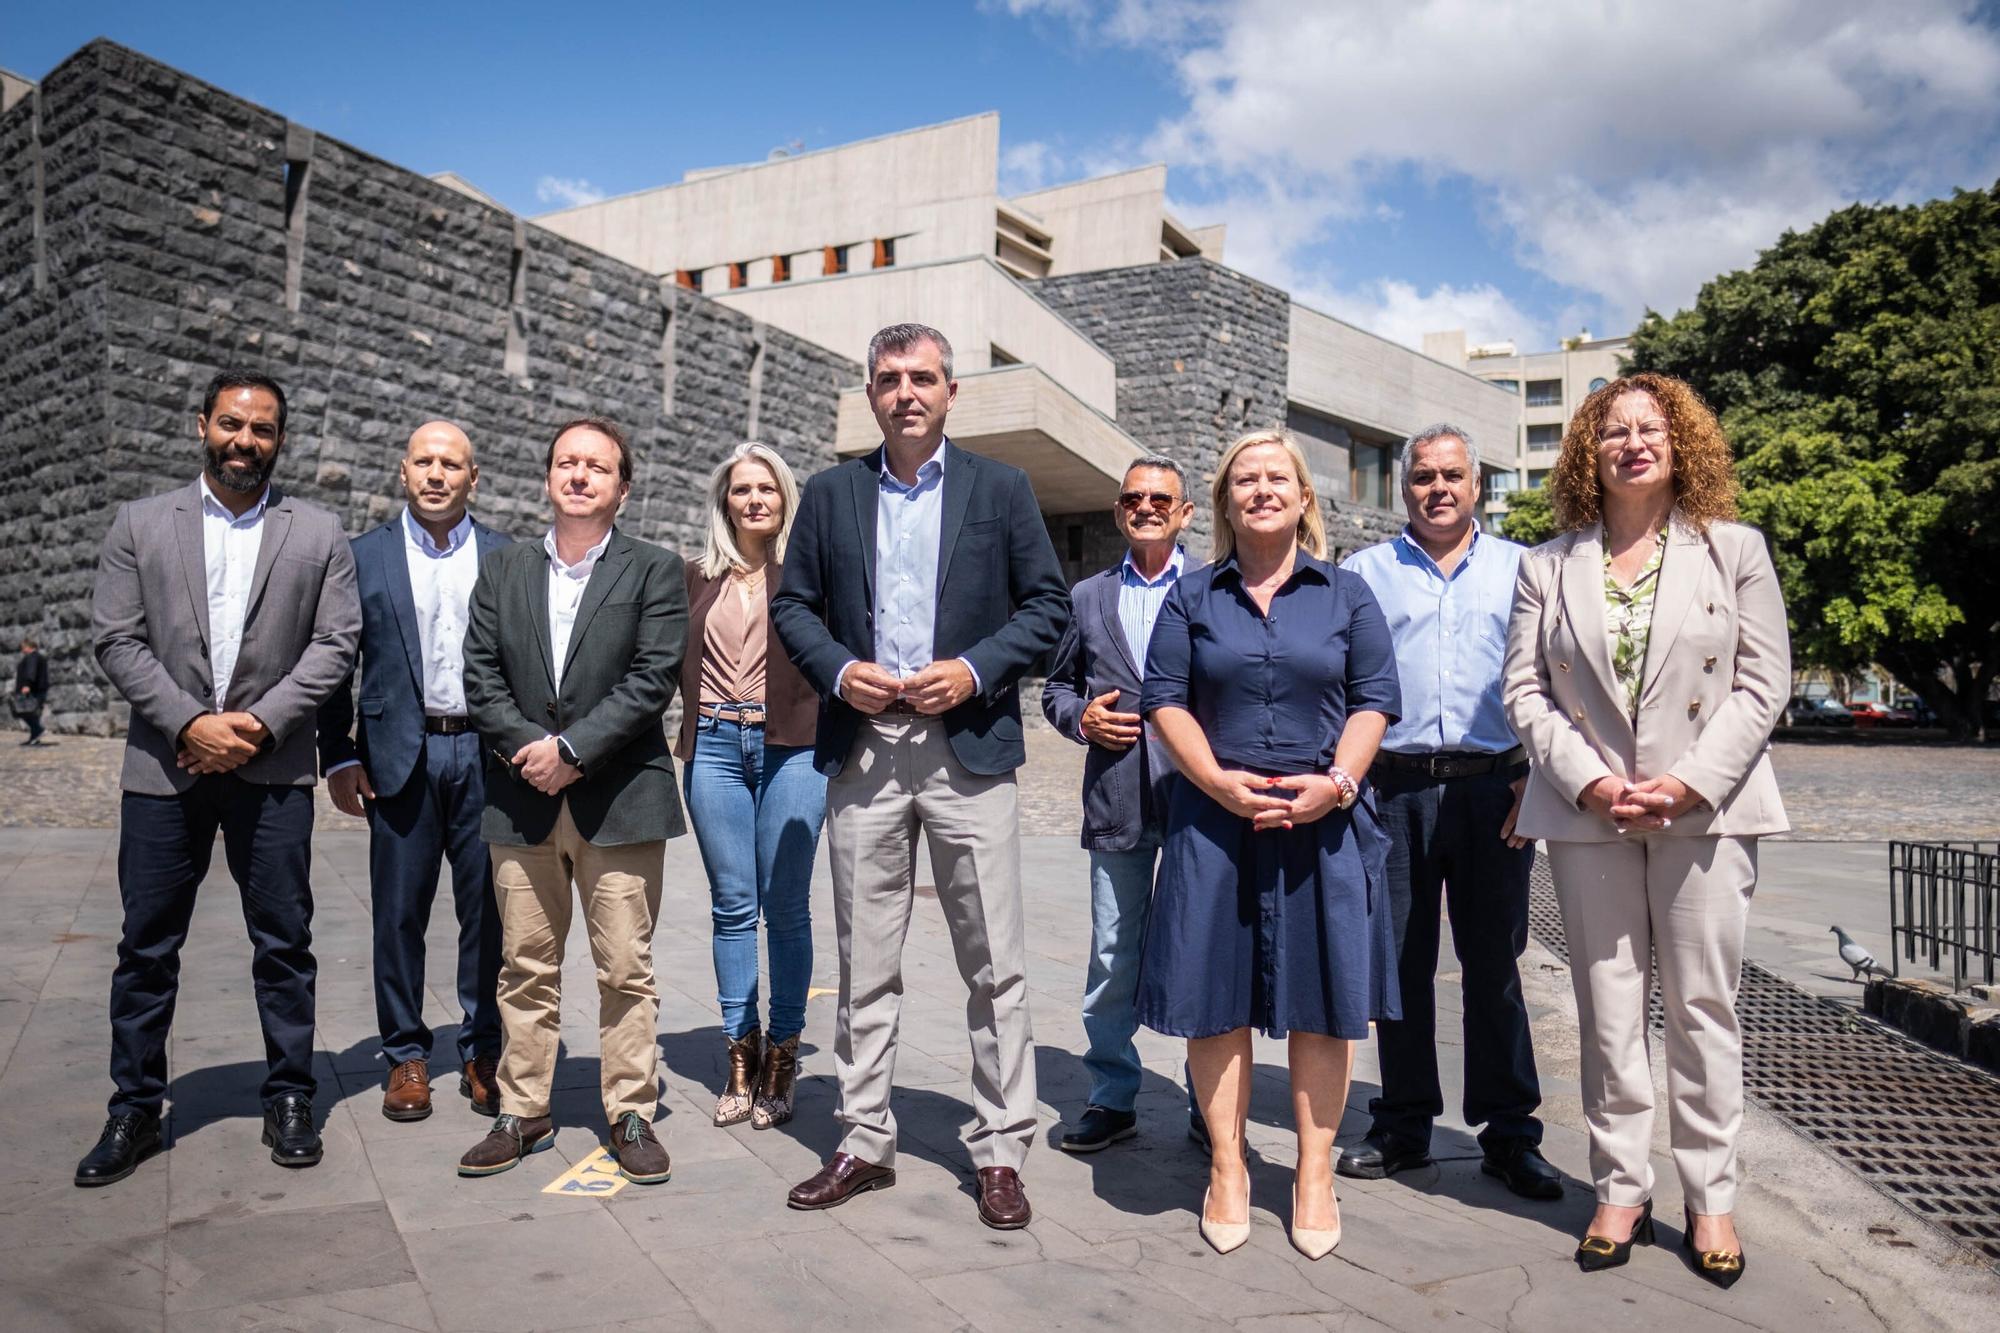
{"type": "Point", "coordinates": [1275, 803]}
{"type": "Point", "coordinates": [1647, 806]}
{"type": "Point", "coordinates": [221, 742]}
{"type": "Point", "coordinates": [937, 688]}
{"type": "Point", "coordinates": [542, 766]}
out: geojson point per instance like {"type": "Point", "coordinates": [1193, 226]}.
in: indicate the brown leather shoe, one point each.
{"type": "Point", "coordinates": [774, 1084]}
{"type": "Point", "coordinates": [479, 1083]}
{"type": "Point", "coordinates": [843, 1177]}
{"type": "Point", "coordinates": [641, 1159]}
{"type": "Point", "coordinates": [409, 1094]}
{"type": "Point", "coordinates": [511, 1138]}
{"type": "Point", "coordinates": [1003, 1204]}
{"type": "Point", "coordinates": [746, 1063]}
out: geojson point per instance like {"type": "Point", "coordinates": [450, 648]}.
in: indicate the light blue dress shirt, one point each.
{"type": "Point", "coordinates": [1139, 602]}
{"type": "Point", "coordinates": [1451, 639]}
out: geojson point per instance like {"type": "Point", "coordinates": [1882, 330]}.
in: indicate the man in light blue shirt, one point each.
{"type": "Point", "coordinates": [1091, 695]}
{"type": "Point", "coordinates": [1448, 781]}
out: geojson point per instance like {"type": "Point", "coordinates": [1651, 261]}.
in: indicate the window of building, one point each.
{"type": "Point", "coordinates": [999, 356]}
{"type": "Point", "coordinates": [1545, 393]}
{"type": "Point", "coordinates": [781, 268]}
{"type": "Point", "coordinates": [836, 259]}
{"type": "Point", "coordinates": [1598, 383]}
{"type": "Point", "coordinates": [1545, 437]}
{"type": "Point", "coordinates": [1500, 485]}
{"type": "Point", "coordinates": [689, 278]}
{"type": "Point", "coordinates": [1536, 476]}
{"type": "Point", "coordinates": [1511, 386]}
{"type": "Point", "coordinates": [739, 275]}
{"type": "Point", "coordinates": [1368, 474]}
{"type": "Point", "coordinates": [885, 252]}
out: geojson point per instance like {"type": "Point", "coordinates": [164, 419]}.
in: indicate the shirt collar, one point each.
{"type": "Point", "coordinates": [581, 569]}
{"type": "Point", "coordinates": [931, 469]}
{"type": "Point", "coordinates": [211, 503]}
{"type": "Point", "coordinates": [1415, 548]}
{"type": "Point", "coordinates": [1304, 563]}
{"type": "Point", "coordinates": [456, 538]}
{"type": "Point", "coordinates": [1129, 572]}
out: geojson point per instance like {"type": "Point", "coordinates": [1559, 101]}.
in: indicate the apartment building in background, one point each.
{"type": "Point", "coordinates": [1548, 387]}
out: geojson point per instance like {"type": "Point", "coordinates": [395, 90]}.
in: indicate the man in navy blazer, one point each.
{"type": "Point", "coordinates": [1092, 696]}
{"type": "Point", "coordinates": [919, 586]}
{"type": "Point", "coordinates": [413, 767]}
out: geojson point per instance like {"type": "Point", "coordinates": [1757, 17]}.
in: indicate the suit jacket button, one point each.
{"type": "Point", "coordinates": [1694, 705]}
{"type": "Point", "coordinates": [1708, 663]}
{"type": "Point", "coordinates": [1562, 666]}
{"type": "Point", "coordinates": [1711, 608]}
{"type": "Point", "coordinates": [552, 710]}
{"type": "Point", "coordinates": [1579, 715]}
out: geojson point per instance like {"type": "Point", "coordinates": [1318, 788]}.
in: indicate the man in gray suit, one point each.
{"type": "Point", "coordinates": [1092, 696]}
{"type": "Point", "coordinates": [579, 786]}
{"type": "Point", "coordinates": [226, 614]}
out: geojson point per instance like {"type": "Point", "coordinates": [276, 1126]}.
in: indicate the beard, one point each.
{"type": "Point", "coordinates": [243, 483]}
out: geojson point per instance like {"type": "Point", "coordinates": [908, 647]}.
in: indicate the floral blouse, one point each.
{"type": "Point", "coordinates": [1628, 621]}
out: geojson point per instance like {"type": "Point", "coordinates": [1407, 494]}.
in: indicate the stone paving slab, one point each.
{"type": "Point", "coordinates": [384, 1234]}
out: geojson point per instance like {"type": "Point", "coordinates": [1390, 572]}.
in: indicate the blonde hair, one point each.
{"type": "Point", "coordinates": [1312, 525]}
{"type": "Point", "coordinates": [720, 554]}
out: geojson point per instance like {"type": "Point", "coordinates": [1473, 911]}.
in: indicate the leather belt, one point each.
{"type": "Point", "coordinates": [901, 707]}
{"type": "Point", "coordinates": [749, 715]}
{"type": "Point", "coordinates": [446, 726]}
{"type": "Point", "coordinates": [1444, 765]}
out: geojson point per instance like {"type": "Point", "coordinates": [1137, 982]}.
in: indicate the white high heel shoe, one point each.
{"type": "Point", "coordinates": [1313, 1244]}
{"type": "Point", "coordinates": [1223, 1236]}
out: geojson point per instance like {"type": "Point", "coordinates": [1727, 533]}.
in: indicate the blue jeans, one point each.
{"type": "Point", "coordinates": [757, 812]}
{"type": "Point", "coordinates": [1121, 898]}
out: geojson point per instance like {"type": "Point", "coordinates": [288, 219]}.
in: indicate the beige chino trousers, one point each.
{"type": "Point", "coordinates": [902, 778]}
{"type": "Point", "coordinates": [1683, 902]}
{"type": "Point", "coordinates": [620, 890]}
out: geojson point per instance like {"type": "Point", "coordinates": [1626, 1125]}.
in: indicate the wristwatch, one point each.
{"type": "Point", "coordinates": [1350, 790]}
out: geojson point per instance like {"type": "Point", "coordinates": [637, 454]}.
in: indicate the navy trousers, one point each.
{"type": "Point", "coordinates": [165, 844]}
{"type": "Point", "coordinates": [435, 815]}
{"type": "Point", "coordinates": [1444, 844]}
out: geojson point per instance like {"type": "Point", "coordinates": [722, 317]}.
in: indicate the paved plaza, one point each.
{"type": "Point", "coordinates": [384, 1234]}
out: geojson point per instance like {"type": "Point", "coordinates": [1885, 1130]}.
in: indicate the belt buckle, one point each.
{"type": "Point", "coordinates": [1431, 767]}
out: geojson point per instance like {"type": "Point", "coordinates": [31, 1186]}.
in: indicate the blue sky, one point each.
{"type": "Point", "coordinates": [1517, 169]}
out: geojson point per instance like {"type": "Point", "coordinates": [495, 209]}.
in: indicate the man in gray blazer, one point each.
{"type": "Point", "coordinates": [572, 654]}
{"type": "Point", "coordinates": [1091, 695]}
{"type": "Point", "coordinates": [225, 613]}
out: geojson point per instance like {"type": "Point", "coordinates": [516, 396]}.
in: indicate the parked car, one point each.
{"type": "Point", "coordinates": [1804, 712]}
{"type": "Point", "coordinates": [1869, 714]}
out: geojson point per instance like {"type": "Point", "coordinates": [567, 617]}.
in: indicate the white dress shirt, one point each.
{"type": "Point", "coordinates": [229, 549]}
{"type": "Point", "coordinates": [566, 585]}
{"type": "Point", "coordinates": [441, 580]}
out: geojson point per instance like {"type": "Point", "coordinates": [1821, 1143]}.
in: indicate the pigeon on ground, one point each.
{"type": "Point", "coordinates": [1855, 956]}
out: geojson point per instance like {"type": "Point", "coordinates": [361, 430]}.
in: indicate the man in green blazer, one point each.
{"type": "Point", "coordinates": [572, 655]}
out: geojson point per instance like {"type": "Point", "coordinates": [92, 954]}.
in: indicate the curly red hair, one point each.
{"type": "Point", "coordinates": [1704, 474]}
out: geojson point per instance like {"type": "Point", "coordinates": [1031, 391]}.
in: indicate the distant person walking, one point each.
{"type": "Point", "coordinates": [1647, 661]}
{"type": "Point", "coordinates": [226, 614]}
{"type": "Point", "coordinates": [31, 689]}
{"type": "Point", "coordinates": [748, 719]}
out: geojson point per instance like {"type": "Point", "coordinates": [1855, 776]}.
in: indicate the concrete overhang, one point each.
{"type": "Point", "coordinates": [1017, 414]}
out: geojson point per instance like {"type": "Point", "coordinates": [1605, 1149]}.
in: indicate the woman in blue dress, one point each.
{"type": "Point", "coordinates": [1270, 679]}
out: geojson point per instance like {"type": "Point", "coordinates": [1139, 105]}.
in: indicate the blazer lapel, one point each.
{"type": "Point", "coordinates": [1107, 610]}
{"type": "Point", "coordinates": [610, 566]}
{"type": "Point", "coordinates": [867, 488]}
{"type": "Point", "coordinates": [194, 556]}
{"type": "Point", "coordinates": [403, 597]}
{"type": "Point", "coordinates": [959, 479]}
{"type": "Point", "coordinates": [1583, 604]}
{"type": "Point", "coordinates": [1680, 571]}
{"type": "Point", "coordinates": [277, 526]}
{"type": "Point", "coordinates": [536, 589]}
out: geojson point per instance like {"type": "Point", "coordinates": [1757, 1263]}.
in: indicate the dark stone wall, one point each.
{"type": "Point", "coordinates": [174, 250]}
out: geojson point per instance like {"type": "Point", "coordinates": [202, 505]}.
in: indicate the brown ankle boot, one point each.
{"type": "Point", "coordinates": [409, 1093]}
{"type": "Point", "coordinates": [774, 1087]}
{"type": "Point", "coordinates": [746, 1059]}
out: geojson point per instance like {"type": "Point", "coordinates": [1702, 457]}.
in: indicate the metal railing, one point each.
{"type": "Point", "coordinates": [1944, 900]}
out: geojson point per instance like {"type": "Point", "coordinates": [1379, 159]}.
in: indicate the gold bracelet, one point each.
{"type": "Point", "coordinates": [1350, 790]}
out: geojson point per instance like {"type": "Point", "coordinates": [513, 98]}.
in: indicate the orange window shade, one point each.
{"type": "Point", "coordinates": [738, 274]}
{"type": "Point", "coordinates": [781, 269]}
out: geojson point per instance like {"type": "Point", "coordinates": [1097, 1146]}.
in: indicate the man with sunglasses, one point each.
{"type": "Point", "coordinates": [1092, 697]}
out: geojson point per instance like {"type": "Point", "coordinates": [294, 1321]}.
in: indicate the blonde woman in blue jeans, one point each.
{"type": "Point", "coordinates": [757, 804]}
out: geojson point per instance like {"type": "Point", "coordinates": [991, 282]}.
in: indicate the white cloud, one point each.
{"type": "Point", "coordinates": [1399, 312]}
{"type": "Point", "coordinates": [566, 191]}
{"type": "Point", "coordinates": [1629, 151]}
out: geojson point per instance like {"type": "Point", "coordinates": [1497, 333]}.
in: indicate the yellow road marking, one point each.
{"type": "Point", "coordinates": [596, 1175]}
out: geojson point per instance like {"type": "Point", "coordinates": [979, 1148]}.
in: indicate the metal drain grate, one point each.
{"type": "Point", "coordinates": [1918, 1125]}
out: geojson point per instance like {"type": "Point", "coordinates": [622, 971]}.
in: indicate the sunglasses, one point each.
{"type": "Point", "coordinates": [1162, 503]}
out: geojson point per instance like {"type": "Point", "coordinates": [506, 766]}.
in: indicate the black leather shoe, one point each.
{"type": "Point", "coordinates": [1594, 1254]}
{"type": "Point", "coordinates": [1198, 1131]}
{"type": "Point", "coordinates": [1099, 1127]}
{"type": "Point", "coordinates": [129, 1138]}
{"type": "Point", "coordinates": [1722, 1267]}
{"type": "Point", "coordinates": [289, 1132]}
{"type": "Point", "coordinates": [1526, 1172]}
{"type": "Point", "coordinates": [1381, 1154]}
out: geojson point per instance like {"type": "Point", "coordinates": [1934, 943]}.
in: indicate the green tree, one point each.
{"type": "Point", "coordinates": [1529, 519]}
{"type": "Point", "coordinates": [1856, 367]}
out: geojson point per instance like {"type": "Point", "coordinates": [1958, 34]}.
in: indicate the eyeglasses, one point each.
{"type": "Point", "coordinates": [1652, 434]}
{"type": "Point", "coordinates": [1161, 502]}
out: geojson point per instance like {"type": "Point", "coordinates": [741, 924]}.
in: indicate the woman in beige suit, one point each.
{"type": "Point", "coordinates": [1647, 661]}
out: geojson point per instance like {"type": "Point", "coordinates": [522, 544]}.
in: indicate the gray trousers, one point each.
{"type": "Point", "coordinates": [901, 778]}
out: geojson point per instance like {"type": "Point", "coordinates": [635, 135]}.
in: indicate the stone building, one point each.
{"type": "Point", "coordinates": [154, 228]}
